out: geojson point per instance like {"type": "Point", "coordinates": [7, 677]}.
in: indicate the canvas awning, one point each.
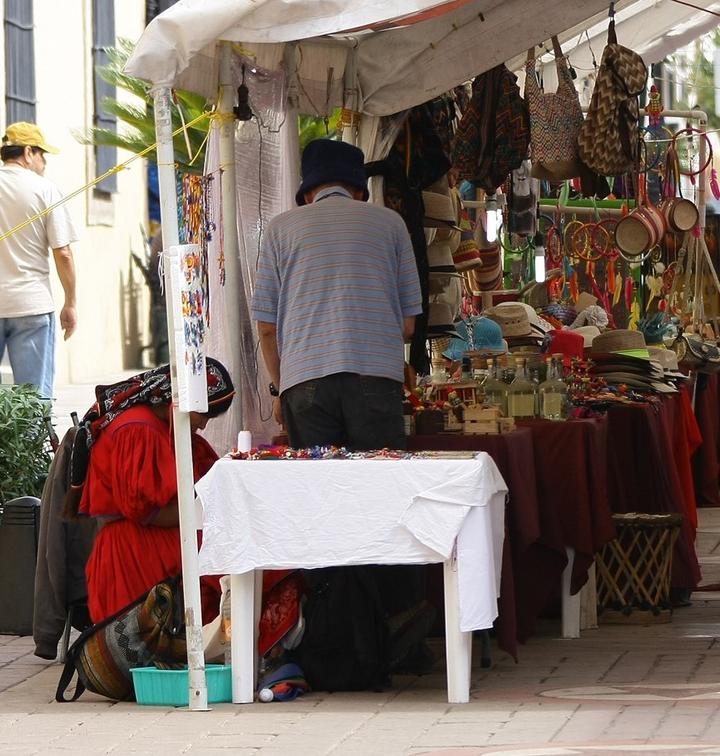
{"type": "Point", "coordinates": [403, 52]}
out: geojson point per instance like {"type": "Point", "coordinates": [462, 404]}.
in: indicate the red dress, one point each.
{"type": "Point", "coordinates": [132, 475]}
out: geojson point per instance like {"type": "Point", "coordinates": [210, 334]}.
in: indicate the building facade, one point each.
{"type": "Point", "coordinates": [50, 51]}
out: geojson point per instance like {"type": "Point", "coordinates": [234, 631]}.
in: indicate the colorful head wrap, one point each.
{"type": "Point", "coordinates": [152, 387]}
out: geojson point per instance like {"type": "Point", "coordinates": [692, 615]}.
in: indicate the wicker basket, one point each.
{"type": "Point", "coordinates": [634, 570]}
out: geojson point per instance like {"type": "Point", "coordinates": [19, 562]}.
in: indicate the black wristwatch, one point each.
{"type": "Point", "coordinates": [273, 389]}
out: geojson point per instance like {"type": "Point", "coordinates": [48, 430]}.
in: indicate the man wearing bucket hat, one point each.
{"type": "Point", "coordinates": [27, 317]}
{"type": "Point", "coordinates": [336, 296]}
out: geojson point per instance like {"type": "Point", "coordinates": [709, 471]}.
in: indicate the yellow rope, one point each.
{"type": "Point", "coordinates": [109, 172]}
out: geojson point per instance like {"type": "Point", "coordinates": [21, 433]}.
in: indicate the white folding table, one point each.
{"type": "Point", "coordinates": [284, 514]}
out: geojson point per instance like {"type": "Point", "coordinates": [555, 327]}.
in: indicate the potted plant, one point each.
{"type": "Point", "coordinates": [25, 451]}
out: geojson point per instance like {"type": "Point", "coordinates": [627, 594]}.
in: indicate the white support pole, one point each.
{"type": "Point", "coordinates": [231, 249]}
{"type": "Point", "coordinates": [351, 96]}
{"type": "Point", "coordinates": [181, 420]}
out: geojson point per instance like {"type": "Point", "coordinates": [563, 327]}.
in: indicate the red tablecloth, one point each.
{"type": "Point", "coordinates": [571, 471]}
{"type": "Point", "coordinates": [706, 462]}
{"type": "Point", "coordinates": [552, 504]}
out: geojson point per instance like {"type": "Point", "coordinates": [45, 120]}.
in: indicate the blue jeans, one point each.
{"type": "Point", "coordinates": [30, 342]}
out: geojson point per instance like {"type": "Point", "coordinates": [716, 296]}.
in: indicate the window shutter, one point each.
{"type": "Point", "coordinates": [155, 8]}
{"type": "Point", "coordinates": [19, 62]}
{"type": "Point", "coordinates": [103, 37]}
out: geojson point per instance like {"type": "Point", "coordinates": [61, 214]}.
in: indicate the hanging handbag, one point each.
{"type": "Point", "coordinates": [493, 135]}
{"type": "Point", "coordinates": [609, 137]}
{"type": "Point", "coordinates": [555, 121]}
{"type": "Point", "coordinates": [694, 353]}
{"type": "Point", "coordinates": [148, 632]}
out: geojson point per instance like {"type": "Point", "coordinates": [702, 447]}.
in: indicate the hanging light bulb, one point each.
{"type": "Point", "coordinates": [243, 111]}
{"type": "Point", "coordinates": [491, 218]}
{"type": "Point", "coordinates": [539, 258]}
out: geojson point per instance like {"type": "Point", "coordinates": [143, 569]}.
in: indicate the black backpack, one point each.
{"type": "Point", "coordinates": [345, 645]}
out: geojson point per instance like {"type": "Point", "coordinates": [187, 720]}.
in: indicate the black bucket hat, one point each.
{"type": "Point", "coordinates": [325, 161]}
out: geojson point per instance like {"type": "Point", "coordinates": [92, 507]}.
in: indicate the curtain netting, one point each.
{"type": "Point", "coordinates": [266, 177]}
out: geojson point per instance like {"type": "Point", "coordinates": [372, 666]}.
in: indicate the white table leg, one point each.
{"type": "Point", "coordinates": [570, 604]}
{"type": "Point", "coordinates": [242, 636]}
{"type": "Point", "coordinates": [458, 645]}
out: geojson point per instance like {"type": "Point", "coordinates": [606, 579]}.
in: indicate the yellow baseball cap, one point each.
{"type": "Point", "coordinates": [22, 134]}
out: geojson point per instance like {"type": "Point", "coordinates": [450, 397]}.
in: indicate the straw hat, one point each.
{"type": "Point", "coordinates": [668, 359]}
{"type": "Point", "coordinates": [451, 295]}
{"type": "Point", "coordinates": [440, 259]}
{"type": "Point", "coordinates": [621, 341]}
{"type": "Point", "coordinates": [538, 323]}
{"type": "Point", "coordinates": [512, 318]}
{"type": "Point", "coordinates": [584, 300]}
{"type": "Point", "coordinates": [439, 211]}
{"type": "Point", "coordinates": [588, 333]}
{"type": "Point", "coordinates": [440, 321]}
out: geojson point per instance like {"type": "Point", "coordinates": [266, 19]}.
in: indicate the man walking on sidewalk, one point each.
{"type": "Point", "coordinates": [27, 312]}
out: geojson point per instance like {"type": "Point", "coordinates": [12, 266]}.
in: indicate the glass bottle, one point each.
{"type": "Point", "coordinates": [521, 393]}
{"type": "Point", "coordinates": [495, 388]}
{"type": "Point", "coordinates": [553, 393]}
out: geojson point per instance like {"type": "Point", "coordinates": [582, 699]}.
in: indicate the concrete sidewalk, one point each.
{"type": "Point", "coordinates": [617, 689]}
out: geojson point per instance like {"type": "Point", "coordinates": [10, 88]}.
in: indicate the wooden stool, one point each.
{"type": "Point", "coordinates": [633, 571]}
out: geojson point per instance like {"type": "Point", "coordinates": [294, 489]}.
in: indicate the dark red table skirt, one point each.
{"type": "Point", "coordinates": [706, 462]}
{"type": "Point", "coordinates": [555, 474]}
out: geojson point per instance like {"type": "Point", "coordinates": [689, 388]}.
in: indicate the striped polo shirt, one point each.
{"type": "Point", "coordinates": [337, 277]}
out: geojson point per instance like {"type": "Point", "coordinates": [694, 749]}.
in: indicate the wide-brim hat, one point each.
{"type": "Point", "coordinates": [639, 383]}
{"type": "Point", "coordinates": [440, 259]}
{"type": "Point", "coordinates": [621, 341]}
{"type": "Point", "coordinates": [641, 368]}
{"type": "Point", "coordinates": [478, 336]}
{"type": "Point", "coordinates": [668, 359]}
{"type": "Point", "coordinates": [512, 318]}
{"type": "Point", "coordinates": [584, 300]}
{"type": "Point", "coordinates": [440, 211]}
{"type": "Point", "coordinates": [537, 323]}
{"type": "Point", "coordinates": [589, 333]}
{"type": "Point", "coordinates": [327, 160]}
{"type": "Point", "coordinates": [440, 321]}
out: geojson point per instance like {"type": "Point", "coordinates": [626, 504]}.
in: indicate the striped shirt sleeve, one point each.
{"type": "Point", "coordinates": [264, 306]}
{"type": "Point", "coordinates": [408, 280]}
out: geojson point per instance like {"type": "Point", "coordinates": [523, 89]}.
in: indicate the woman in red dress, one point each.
{"type": "Point", "coordinates": [131, 487]}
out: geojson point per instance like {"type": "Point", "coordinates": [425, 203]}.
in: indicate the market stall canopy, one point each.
{"type": "Point", "coordinates": [403, 53]}
{"type": "Point", "coordinates": [653, 29]}
{"type": "Point", "coordinates": [395, 55]}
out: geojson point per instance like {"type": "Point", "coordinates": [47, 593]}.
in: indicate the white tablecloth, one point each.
{"type": "Point", "coordinates": [318, 513]}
